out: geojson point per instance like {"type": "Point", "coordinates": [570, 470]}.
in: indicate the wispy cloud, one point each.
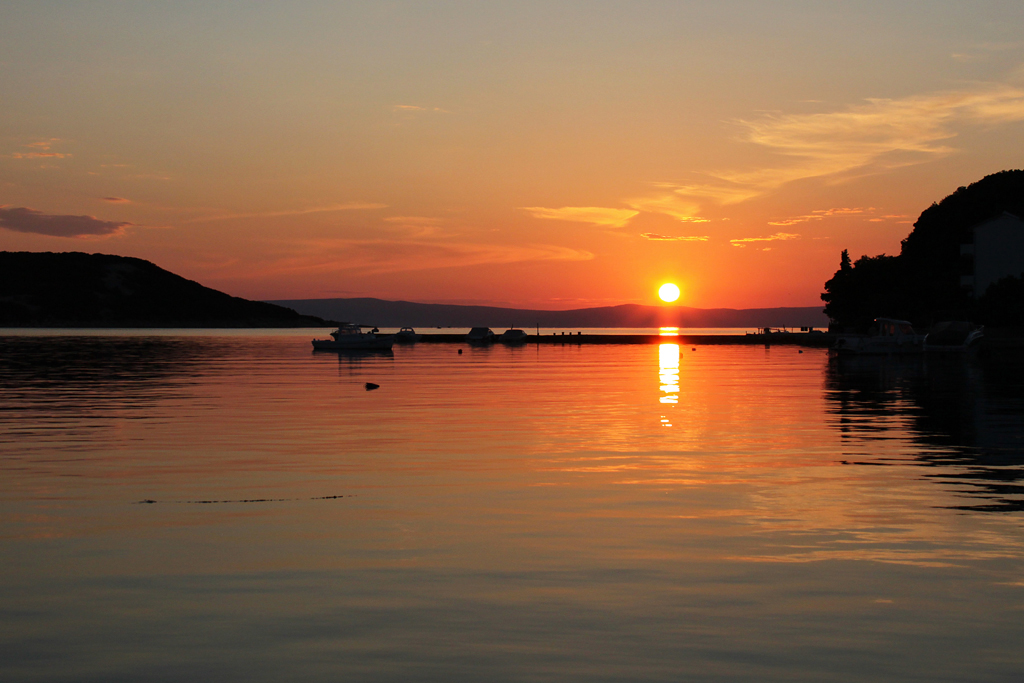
{"type": "Point", "coordinates": [36, 222]}
{"type": "Point", "coordinates": [870, 137]}
{"type": "Point", "coordinates": [779, 236]}
{"type": "Point", "coordinates": [374, 257]}
{"type": "Point", "coordinates": [349, 206]}
{"type": "Point", "coordinates": [117, 200]}
{"type": "Point", "coordinates": [416, 107]}
{"type": "Point", "coordinates": [868, 213]}
{"type": "Point", "coordinates": [415, 226]}
{"type": "Point", "coordinates": [597, 215]}
{"type": "Point", "coordinates": [819, 214]}
{"type": "Point", "coordinates": [674, 238]}
{"type": "Point", "coordinates": [983, 52]}
{"type": "Point", "coordinates": [671, 204]}
{"type": "Point", "coordinates": [40, 149]}
{"type": "Point", "coordinates": [39, 155]}
{"type": "Point", "coordinates": [880, 134]}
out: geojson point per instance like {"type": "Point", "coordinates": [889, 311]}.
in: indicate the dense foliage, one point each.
{"type": "Point", "coordinates": [922, 284]}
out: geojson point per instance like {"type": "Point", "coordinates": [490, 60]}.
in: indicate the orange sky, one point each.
{"type": "Point", "coordinates": [502, 153]}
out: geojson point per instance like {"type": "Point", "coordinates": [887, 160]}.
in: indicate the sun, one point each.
{"type": "Point", "coordinates": [668, 292]}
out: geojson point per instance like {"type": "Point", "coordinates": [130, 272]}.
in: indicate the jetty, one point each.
{"type": "Point", "coordinates": [805, 339]}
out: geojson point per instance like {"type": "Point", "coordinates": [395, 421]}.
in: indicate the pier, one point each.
{"type": "Point", "coordinates": [806, 339]}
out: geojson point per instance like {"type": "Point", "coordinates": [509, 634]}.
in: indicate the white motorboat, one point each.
{"type": "Point", "coordinates": [407, 335]}
{"type": "Point", "coordinates": [513, 336]}
{"type": "Point", "coordinates": [889, 336]}
{"type": "Point", "coordinates": [480, 335]}
{"type": "Point", "coordinates": [349, 337]}
{"type": "Point", "coordinates": [954, 335]}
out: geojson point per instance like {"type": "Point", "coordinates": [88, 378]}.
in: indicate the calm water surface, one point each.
{"type": "Point", "coordinates": [553, 513]}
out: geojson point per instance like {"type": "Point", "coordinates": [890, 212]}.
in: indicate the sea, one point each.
{"type": "Point", "coordinates": [229, 505]}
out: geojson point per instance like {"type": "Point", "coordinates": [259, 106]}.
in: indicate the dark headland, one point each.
{"type": "Point", "coordinates": [73, 289]}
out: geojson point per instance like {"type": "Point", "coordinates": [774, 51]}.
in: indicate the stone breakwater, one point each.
{"type": "Point", "coordinates": [814, 339]}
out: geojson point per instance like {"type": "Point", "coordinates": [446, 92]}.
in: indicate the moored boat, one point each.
{"type": "Point", "coordinates": [513, 336]}
{"type": "Point", "coordinates": [349, 337]}
{"type": "Point", "coordinates": [407, 335]}
{"type": "Point", "coordinates": [889, 336]}
{"type": "Point", "coordinates": [953, 335]}
{"type": "Point", "coordinates": [480, 335]}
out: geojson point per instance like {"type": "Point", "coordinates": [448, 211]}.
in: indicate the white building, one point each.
{"type": "Point", "coordinates": [996, 252]}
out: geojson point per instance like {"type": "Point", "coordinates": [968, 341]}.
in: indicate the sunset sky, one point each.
{"type": "Point", "coordinates": [528, 154]}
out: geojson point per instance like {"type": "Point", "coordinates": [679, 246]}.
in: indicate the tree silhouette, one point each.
{"type": "Point", "coordinates": [922, 284]}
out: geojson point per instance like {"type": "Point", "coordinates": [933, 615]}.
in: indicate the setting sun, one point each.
{"type": "Point", "coordinates": [668, 292]}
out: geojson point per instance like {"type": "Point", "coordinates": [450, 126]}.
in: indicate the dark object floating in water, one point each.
{"type": "Point", "coordinates": [694, 348]}
{"type": "Point", "coordinates": [370, 386]}
{"type": "Point", "coordinates": [800, 351]}
{"type": "Point", "coordinates": [149, 501]}
{"type": "Point", "coordinates": [460, 352]}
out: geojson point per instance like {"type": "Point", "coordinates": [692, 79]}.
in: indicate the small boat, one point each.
{"type": "Point", "coordinates": [954, 335]}
{"type": "Point", "coordinates": [349, 337]}
{"type": "Point", "coordinates": [407, 335]}
{"type": "Point", "coordinates": [480, 335]}
{"type": "Point", "coordinates": [513, 336]}
{"type": "Point", "coordinates": [889, 336]}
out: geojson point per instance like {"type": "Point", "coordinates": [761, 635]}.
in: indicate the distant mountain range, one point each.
{"type": "Point", "coordinates": [399, 313]}
{"type": "Point", "coordinates": [99, 290]}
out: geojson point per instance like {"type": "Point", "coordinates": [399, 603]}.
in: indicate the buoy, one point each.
{"type": "Point", "coordinates": [370, 386]}
{"type": "Point", "coordinates": [460, 352]}
{"type": "Point", "coordinates": [800, 351]}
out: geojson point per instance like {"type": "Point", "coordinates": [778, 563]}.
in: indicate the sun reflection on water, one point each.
{"type": "Point", "coordinates": [668, 373]}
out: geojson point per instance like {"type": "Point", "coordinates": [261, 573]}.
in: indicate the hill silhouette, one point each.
{"type": "Point", "coordinates": [74, 289]}
{"type": "Point", "coordinates": [922, 283]}
{"type": "Point", "coordinates": [397, 313]}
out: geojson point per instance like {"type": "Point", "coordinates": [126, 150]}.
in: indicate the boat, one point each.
{"type": "Point", "coordinates": [513, 336]}
{"type": "Point", "coordinates": [954, 335]}
{"type": "Point", "coordinates": [889, 336]}
{"type": "Point", "coordinates": [480, 335]}
{"type": "Point", "coordinates": [407, 335]}
{"type": "Point", "coordinates": [349, 337]}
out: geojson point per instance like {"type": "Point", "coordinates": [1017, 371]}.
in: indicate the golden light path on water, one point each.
{"type": "Point", "coordinates": [654, 512]}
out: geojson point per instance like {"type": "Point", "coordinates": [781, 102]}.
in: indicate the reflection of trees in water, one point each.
{"type": "Point", "coordinates": [966, 414]}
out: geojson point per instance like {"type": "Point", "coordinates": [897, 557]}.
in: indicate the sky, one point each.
{"type": "Point", "coordinates": [528, 154]}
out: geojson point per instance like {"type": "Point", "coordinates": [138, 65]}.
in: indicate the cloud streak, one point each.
{"type": "Point", "coordinates": [671, 204]}
{"type": "Point", "coordinates": [879, 134]}
{"type": "Point", "coordinates": [36, 222]}
{"type": "Point", "coordinates": [375, 257]}
{"type": "Point", "coordinates": [415, 226]}
{"type": "Point", "coordinates": [415, 107]}
{"type": "Point", "coordinates": [596, 215]}
{"type": "Point", "coordinates": [41, 150]}
{"type": "Point", "coordinates": [866, 138]}
{"type": "Point", "coordinates": [349, 206]}
{"type": "Point", "coordinates": [779, 236]}
{"type": "Point", "coordinates": [672, 238]}
{"type": "Point", "coordinates": [821, 214]}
